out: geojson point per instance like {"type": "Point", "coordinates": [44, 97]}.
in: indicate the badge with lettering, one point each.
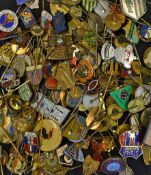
{"type": "Point", "coordinates": [89, 5]}
{"type": "Point", "coordinates": [50, 110]}
{"type": "Point", "coordinates": [28, 18]}
{"type": "Point", "coordinates": [130, 144]}
{"type": "Point", "coordinates": [121, 96]}
{"type": "Point", "coordinates": [76, 154]}
{"type": "Point", "coordinates": [30, 143]}
{"type": "Point", "coordinates": [8, 21]}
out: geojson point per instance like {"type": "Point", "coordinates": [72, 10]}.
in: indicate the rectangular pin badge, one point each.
{"type": "Point", "coordinates": [27, 18]}
{"type": "Point", "coordinates": [50, 110]}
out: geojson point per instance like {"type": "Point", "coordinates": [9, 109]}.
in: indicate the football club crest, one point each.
{"type": "Point", "coordinates": [130, 145]}
{"type": "Point", "coordinates": [63, 158]}
{"type": "Point", "coordinates": [121, 96]}
{"type": "Point", "coordinates": [8, 21]}
{"type": "Point", "coordinates": [34, 74]}
{"type": "Point", "coordinates": [30, 143]}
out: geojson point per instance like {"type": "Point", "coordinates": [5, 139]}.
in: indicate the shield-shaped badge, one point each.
{"type": "Point", "coordinates": [130, 145]}
{"type": "Point", "coordinates": [30, 143]}
{"type": "Point", "coordinates": [133, 9]}
{"type": "Point", "coordinates": [34, 74]}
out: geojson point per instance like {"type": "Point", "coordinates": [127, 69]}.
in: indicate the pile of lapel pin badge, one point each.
{"type": "Point", "coordinates": [73, 90]}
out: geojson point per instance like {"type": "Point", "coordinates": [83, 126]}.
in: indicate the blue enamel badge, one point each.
{"type": "Point", "coordinates": [59, 22]}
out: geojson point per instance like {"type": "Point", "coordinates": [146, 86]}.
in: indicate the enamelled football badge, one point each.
{"type": "Point", "coordinates": [8, 21]}
{"type": "Point", "coordinates": [130, 145]}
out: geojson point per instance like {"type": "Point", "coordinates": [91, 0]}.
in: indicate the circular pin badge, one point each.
{"type": "Point", "coordinates": [136, 105]}
{"type": "Point", "coordinates": [113, 166]}
{"type": "Point", "coordinates": [107, 51]}
{"type": "Point", "coordinates": [114, 108]}
{"type": "Point", "coordinates": [147, 55]}
{"type": "Point", "coordinates": [15, 103]}
{"type": "Point", "coordinates": [36, 30]}
{"type": "Point", "coordinates": [145, 33]}
{"type": "Point", "coordinates": [113, 22]}
{"type": "Point", "coordinates": [51, 134]}
{"type": "Point", "coordinates": [8, 21]}
{"type": "Point", "coordinates": [93, 58]}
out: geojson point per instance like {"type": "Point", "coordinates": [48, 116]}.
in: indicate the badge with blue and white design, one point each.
{"type": "Point", "coordinates": [145, 33]}
{"type": "Point", "coordinates": [130, 145]}
{"type": "Point", "coordinates": [113, 166]}
{"type": "Point", "coordinates": [30, 143]}
{"type": "Point", "coordinates": [8, 21]}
